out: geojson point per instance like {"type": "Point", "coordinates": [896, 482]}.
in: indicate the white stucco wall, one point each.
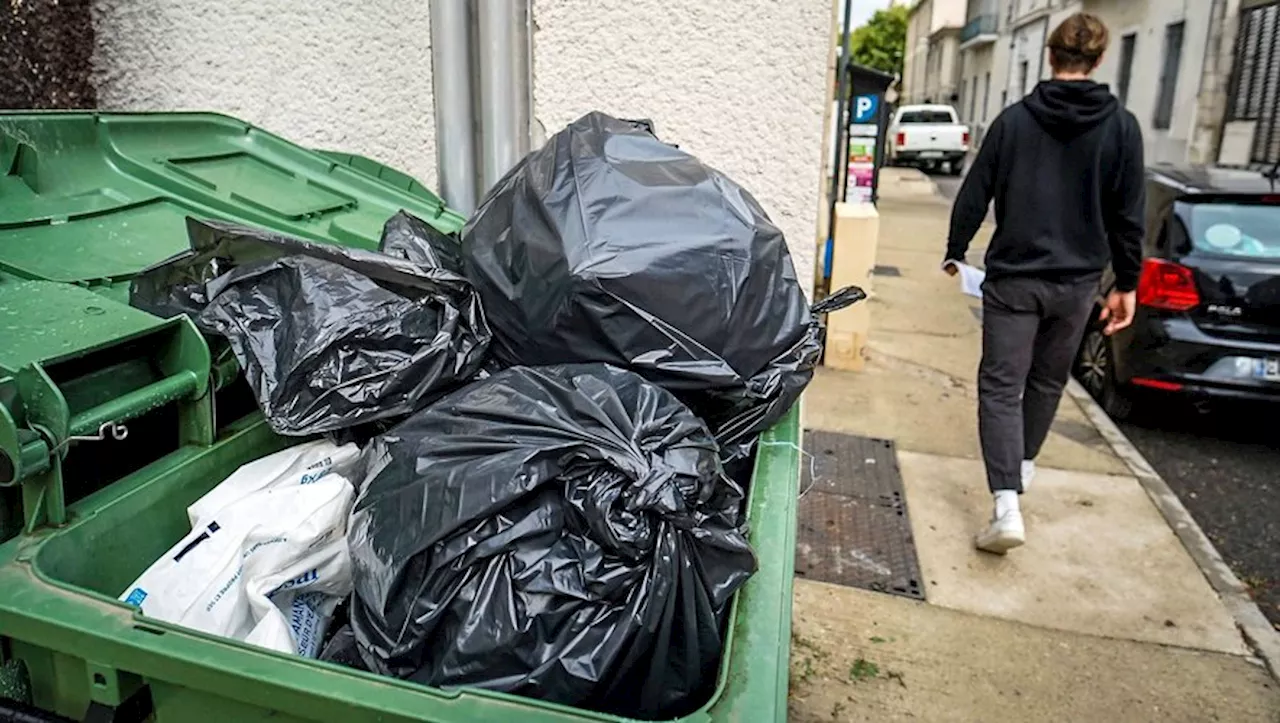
{"type": "Point", "coordinates": [916, 54]}
{"type": "Point", "coordinates": [947, 14]}
{"type": "Point", "coordinates": [741, 85]}
{"type": "Point", "coordinates": [352, 76]}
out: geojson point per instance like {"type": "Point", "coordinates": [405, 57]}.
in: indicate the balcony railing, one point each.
{"type": "Point", "coordinates": [979, 26]}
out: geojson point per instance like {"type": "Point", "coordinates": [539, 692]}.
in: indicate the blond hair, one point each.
{"type": "Point", "coordinates": [1077, 44]}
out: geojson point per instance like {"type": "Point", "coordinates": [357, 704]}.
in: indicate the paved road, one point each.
{"type": "Point", "coordinates": [948, 185]}
{"type": "Point", "coordinates": [1225, 466]}
{"type": "Point", "coordinates": [1224, 463]}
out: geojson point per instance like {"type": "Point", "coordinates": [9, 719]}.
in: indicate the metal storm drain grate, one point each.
{"type": "Point", "coordinates": [885, 270]}
{"type": "Point", "coordinates": [853, 524]}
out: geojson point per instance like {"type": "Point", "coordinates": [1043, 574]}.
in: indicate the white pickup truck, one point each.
{"type": "Point", "coordinates": [928, 136]}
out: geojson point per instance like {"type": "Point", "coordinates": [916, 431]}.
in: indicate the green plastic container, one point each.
{"type": "Point", "coordinates": [88, 200]}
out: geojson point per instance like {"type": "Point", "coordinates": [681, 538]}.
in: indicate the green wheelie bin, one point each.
{"type": "Point", "coordinates": [87, 200]}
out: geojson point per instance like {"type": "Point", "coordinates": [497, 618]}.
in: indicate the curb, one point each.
{"type": "Point", "coordinates": [1258, 632]}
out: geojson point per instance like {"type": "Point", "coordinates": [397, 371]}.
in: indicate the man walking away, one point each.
{"type": "Point", "coordinates": [1065, 169]}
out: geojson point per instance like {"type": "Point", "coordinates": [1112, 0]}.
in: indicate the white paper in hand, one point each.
{"type": "Point", "coordinates": [971, 279]}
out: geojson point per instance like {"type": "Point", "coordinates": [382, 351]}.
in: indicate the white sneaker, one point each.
{"type": "Point", "coordinates": [1028, 473]}
{"type": "Point", "coordinates": [1005, 532]}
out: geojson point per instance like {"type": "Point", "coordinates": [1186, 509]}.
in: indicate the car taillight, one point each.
{"type": "Point", "coordinates": [965, 138]}
{"type": "Point", "coordinates": [902, 139]}
{"type": "Point", "coordinates": [1166, 285]}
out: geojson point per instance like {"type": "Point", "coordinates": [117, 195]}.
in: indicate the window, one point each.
{"type": "Point", "coordinates": [1125, 75]}
{"type": "Point", "coordinates": [1255, 84]}
{"type": "Point", "coordinates": [1022, 78]}
{"type": "Point", "coordinates": [926, 116]}
{"type": "Point", "coordinates": [973, 101]}
{"type": "Point", "coordinates": [1168, 76]}
{"type": "Point", "coordinates": [1245, 230]}
{"type": "Point", "coordinates": [964, 92]}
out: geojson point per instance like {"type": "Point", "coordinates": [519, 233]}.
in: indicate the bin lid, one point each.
{"type": "Point", "coordinates": [93, 198]}
{"type": "Point", "coordinates": [88, 200]}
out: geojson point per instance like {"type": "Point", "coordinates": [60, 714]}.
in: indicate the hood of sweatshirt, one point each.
{"type": "Point", "coordinates": [1067, 108]}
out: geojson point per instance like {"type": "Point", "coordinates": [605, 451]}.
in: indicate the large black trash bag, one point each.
{"type": "Point", "coordinates": [608, 245]}
{"type": "Point", "coordinates": [563, 533]}
{"type": "Point", "coordinates": [329, 337]}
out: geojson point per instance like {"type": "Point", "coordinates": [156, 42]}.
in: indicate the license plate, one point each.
{"type": "Point", "coordinates": [931, 154]}
{"type": "Point", "coordinates": [1267, 369]}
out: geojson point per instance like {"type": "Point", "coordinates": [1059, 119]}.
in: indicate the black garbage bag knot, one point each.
{"type": "Point", "coordinates": [609, 245]}
{"type": "Point", "coordinates": [329, 337]}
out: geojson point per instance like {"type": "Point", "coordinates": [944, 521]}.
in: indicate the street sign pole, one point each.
{"type": "Point", "coordinates": [841, 145]}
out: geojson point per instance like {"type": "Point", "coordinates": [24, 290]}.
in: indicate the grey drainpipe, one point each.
{"type": "Point", "coordinates": [503, 87]}
{"type": "Point", "coordinates": [451, 79]}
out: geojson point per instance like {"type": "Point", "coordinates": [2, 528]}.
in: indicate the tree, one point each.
{"type": "Point", "coordinates": [882, 41]}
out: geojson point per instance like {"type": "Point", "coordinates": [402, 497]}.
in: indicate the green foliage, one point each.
{"type": "Point", "coordinates": [882, 41]}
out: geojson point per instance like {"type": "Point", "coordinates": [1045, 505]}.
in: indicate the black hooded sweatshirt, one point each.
{"type": "Point", "coordinates": [1065, 168]}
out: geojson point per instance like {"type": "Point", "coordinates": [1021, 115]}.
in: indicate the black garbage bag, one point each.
{"type": "Point", "coordinates": [608, 245]}
{"type": "Point", "coordinates": [341, 649]}
{"type": "Point", "coordinates": [329, 337]}
{"type": "Point", "coordinates": [563, 533]}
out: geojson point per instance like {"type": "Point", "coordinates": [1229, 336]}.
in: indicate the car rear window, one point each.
{"type": "Point", "coordinates": [925, 116]}
{"type": "Point", "coordinates": [1242, 230]}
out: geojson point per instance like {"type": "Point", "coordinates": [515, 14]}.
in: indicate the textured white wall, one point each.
{"type": "Point", "coordinates": [352, 76]}
{"type": "Point", "coordinates": [741, 85]}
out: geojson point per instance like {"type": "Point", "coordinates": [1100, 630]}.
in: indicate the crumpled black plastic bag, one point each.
{"type": "Point", "coordinates": [329, 337]}
{"type": "Point", "coordinates": [564, 533]}
{"type": "Point", "coordinates": [608, 245]}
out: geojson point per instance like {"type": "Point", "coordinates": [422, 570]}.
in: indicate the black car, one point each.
{"type": "Point", "coordinates": [1208, 318]}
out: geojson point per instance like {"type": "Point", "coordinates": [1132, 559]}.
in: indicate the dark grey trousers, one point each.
{"type": "Point", "coordinates": [1031, 330]}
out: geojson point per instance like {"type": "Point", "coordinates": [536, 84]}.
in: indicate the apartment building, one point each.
{"type": "Point", "coordinates": [984, 65]}
{"type": "Point", "coordinates": [1202, 78]}
{"type": "Point", "coordinates": [931, 70]}
{"type": "Point", "coordinates": [1239, 102]}
{"type": "Point", "coordinates": [1156, 67]}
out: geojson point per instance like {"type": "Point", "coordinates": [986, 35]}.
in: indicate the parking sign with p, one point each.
{"type": "Point", "coordinates": [864, 108]}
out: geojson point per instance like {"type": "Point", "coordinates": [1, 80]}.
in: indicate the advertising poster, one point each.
{"type": "Point", "coordinates": [862, 162]}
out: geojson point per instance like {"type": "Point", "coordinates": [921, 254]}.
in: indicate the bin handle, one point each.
{"type": "Point", "coordinates": [107, 417]}
{"type": "Point", "coordinates": [115, 430]}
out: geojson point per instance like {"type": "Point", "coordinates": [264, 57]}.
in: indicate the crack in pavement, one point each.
{"type": "Point", "coordinates": [931, 374]}
{"type": "Point", "coordinates": [935, 334]}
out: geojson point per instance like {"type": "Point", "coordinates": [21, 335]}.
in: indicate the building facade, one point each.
{"type": "Point", "coordinates": [1202, 78]}
{"type": "Point", "coordinates": [1155, 67]}
{"type": "Point", "coordinates": [984, 62]}
{"type": "Point", "coordinates": [1245, 58]}
{"type": "Point", "coordinates": [931, 68]}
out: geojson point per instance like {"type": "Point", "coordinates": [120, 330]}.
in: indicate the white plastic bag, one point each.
{"type": "Point", "coordinates": [267, 559]}
{"type": "Point", "coordinates": [300, 465]}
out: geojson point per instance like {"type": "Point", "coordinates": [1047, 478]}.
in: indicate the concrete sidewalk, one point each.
{"type": "Point", "coordinates": [1102, 615]}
